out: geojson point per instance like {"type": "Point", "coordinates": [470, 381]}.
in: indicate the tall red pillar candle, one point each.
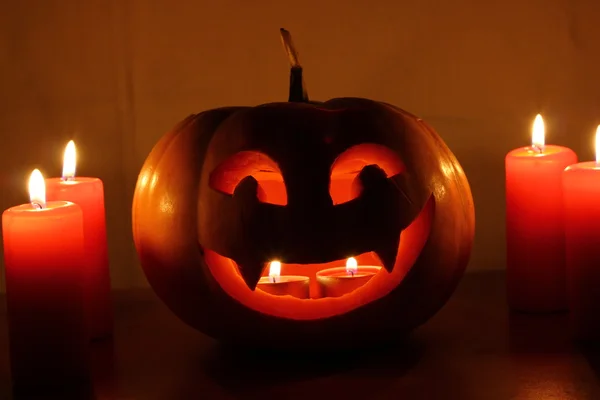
{"type": "Point", "coordinates": [44, 261]}
{"type": "Point", "coordinates": [581, 188]}
{"type": "Point", "coordinates": [88, 193]}
{"type": "Point", "coordinates": [535, 270]}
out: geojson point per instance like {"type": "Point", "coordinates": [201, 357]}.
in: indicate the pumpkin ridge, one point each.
{"type": "Point", "coordinates": [459, 176]}
{"type": "Point", "coordinates": [156, 153]}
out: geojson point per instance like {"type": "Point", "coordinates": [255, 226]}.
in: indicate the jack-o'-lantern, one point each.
{"type": "Point", "coordinates": [307, 184]}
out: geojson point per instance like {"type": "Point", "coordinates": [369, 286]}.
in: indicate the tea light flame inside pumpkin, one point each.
{"type": "Point", "coordinates": [275, 271]}
{"type": "Point", "coordinates": [69, 161]}
{"type": "Point", "coordinates": [538, 134]}
{"type": "Point", "coordinates": [351, 266]}
{"type": "Point", "coordinates": [37, 189]}
{"type": "Point", "coordinates": [598, 144]}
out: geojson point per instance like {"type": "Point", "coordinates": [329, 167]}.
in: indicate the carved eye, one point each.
{"type": "Point", "coordinates": [343, 185]}
{"type": "Point", "coordinates": [271, 187]}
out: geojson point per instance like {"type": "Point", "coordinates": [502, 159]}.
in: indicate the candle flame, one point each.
{"type": "Point", "coordinates": [37, 189]}
{"type": "Point", "coordinates": [69, 161]}
{"type": "Point", "coordinates": [274, 271]}
{"type": "Point", "coordinates": [598, 144]}
{"type": "Point", "coordinates": [351, 266]}
{"type": "Point", "coordinates": [538, 133]}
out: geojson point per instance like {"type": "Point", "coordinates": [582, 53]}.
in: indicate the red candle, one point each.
{"type": "Point", "coordinates": [337, 281]}
{"type": "Point", "coordinates": [282, 285]}
{"type": "Point", "coordinates": [535, 269]}
{"type": "Point", "coordinates": [88, 193]}
{"type": "Point", "coordinates": [44, 260]}
{"type": "Point", "coordinates": [581, 188]}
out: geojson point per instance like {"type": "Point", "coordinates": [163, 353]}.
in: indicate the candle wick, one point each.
{"type": "Point", "coordinates": [37, 205]}
{"type": "Point", "coordinates": [352, 272]}
{"type": "Point", "coordinates": [274, 280]}
{"type": "Point", "coordinates": [67, 178]}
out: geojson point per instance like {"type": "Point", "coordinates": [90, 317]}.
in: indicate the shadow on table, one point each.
{"type": "Point", "coordinates": [591, 352]}
{"type": "Point", "coordinates": [102, 360]}
{"type": "Point", "coordinates": [101, 385]}
{"type": "Point", "coordinates": [79, 391]}
{"type": "Point", "coordinates": [238, 369]}
{"type": "Point", "coordinates": [539, 333]}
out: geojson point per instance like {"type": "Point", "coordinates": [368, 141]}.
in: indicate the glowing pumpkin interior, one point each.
{"type": "Point", "coordinates": [344, 187]}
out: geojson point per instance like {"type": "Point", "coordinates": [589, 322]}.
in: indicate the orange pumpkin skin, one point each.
{"type": "Point", "coordinates": [174, 211]}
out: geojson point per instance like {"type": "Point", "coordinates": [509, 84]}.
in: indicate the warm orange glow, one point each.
{"type": "Point", "coordinates": [538, 136]}
{"type": "Point", "coordinates": [37, 189]}
{"type": "Point", "coordinates": [412, 241]}
{"type": "Point", "coordinates": [351, 266]}
{"type": "Point", "coordinates": [230, 173]}
{"type": "Point", "coordinates": [272, 188]}
{"type": "Point", "coordinates": [274, 271]}
{"type": "Point", "coordinates": [344, 185]}
{"type": "Point", "coordinates": [598, 144]}
{"type": "Point", "coordinates": [69, 161]}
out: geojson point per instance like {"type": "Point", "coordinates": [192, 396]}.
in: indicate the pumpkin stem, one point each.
{"type": "Point", "coordinates": [297, 87]}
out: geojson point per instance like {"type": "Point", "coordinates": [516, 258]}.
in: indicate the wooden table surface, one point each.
{"type": "Point", "coordinates": [472, 349]}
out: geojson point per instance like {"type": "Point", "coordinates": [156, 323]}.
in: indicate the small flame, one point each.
{"type": "Point", "coordinates": [37, 189]}
{"type": "Point", "coordinates": [538, 134]}
{"type": "Point", "coordinates": [351, 266]}
{"type": "Point", "coordinates": [274, 271]}
{"type": "Point", "coordinates": [598, 144]}
{"type": "Point", "coordinates": [69, 161]}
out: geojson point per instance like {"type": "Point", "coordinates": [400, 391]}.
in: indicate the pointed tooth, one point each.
{"type": "Point", "coordinates": [387, 253]}
{"type": "Point", "coordinates": [372, 177]}
{"type": "Point", "coordinates": [246, 190]}
{"type": "Point", "coordinates": [251, 272]}
{"type": "Point", "coordinates": [378, 191]}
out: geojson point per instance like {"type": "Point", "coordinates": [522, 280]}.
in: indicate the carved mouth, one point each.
{"type": "Point", "coordinates": [319, 304]}
{"type": "Point", "coordinates": [252, 233]}
{"type": "Point", "coordinates": [368, 207]}
{"type": "Point", "coordinates": [319, 280]}
{"type": "Point", "coordinates": [383, 259]}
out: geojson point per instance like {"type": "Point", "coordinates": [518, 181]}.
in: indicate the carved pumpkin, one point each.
{"type": "Point", "coordinates": [308, 184]}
